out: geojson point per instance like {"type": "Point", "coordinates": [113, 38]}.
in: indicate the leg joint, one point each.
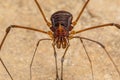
{"type": "Point", "coordinates": [8, 29]}
{"type": "Point", "coordinates": [117, 25]}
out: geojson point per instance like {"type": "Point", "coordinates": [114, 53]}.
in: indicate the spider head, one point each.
{"type": "Point", "coordinates": [61, 37]}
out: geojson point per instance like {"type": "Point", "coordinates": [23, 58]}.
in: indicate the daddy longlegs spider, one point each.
{"type": "Point", "coordinates": [61, 31]}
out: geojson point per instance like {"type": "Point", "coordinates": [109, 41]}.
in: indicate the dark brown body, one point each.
{"type": "Point", "coordinates": [61, 25]}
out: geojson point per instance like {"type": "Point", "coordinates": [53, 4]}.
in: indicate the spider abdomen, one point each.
{"type": "Point", "coordinates": [63, 18]}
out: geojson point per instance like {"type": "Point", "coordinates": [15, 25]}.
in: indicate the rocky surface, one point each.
{"type": "Point", "coordinates": [19, 46]}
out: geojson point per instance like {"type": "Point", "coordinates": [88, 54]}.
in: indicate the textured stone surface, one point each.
{"type": "Point", "coordinates": [19, 47]}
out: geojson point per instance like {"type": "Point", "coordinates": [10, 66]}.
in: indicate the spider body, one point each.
{"type": "Point", "coordinates": [61, 25]}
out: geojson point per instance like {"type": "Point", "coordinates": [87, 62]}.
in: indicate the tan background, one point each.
{"type": "Point", "coordinates": [20, 44]}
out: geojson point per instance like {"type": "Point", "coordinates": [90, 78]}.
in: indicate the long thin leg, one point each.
{"type": "Point", "coordinates": [88, 11]}
{"type": "Point", "coordinates": [16, 26]}
{"type": "Point", "coordinates": [75, 22]}
{"type": "Point", "coordinates": [34, 56]}
{"type": "Point", "coordinates": [108, 54]}
{"type": "Point", "coordinates": [41, 11]}
{"type": "Point", "coordinates": [99, 26]}
{"type": "Point", "coordinates": [62, 60]}
{"type": "Point", "coordinates": [55, 55]}
{"type": "Point", "coordinates": [91, 66]}
{"type": "Point", "coordinates": [6, 68]}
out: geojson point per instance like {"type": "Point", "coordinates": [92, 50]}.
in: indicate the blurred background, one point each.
{"type": "Point", "coordinates": [19, 46]}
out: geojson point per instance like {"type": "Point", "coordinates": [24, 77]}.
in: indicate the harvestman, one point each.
{"type": "Point", "coordinates": [61, 31]}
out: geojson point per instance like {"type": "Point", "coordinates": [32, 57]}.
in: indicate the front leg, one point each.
{"type": "Point", "coordinates": [94, 27]}
{"type": "Point", "coordinates": [62, 61]}
{"type": "Point", "coordinates": [22, 27]}
{"type": "Point", "coordinates": [56, 65]}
